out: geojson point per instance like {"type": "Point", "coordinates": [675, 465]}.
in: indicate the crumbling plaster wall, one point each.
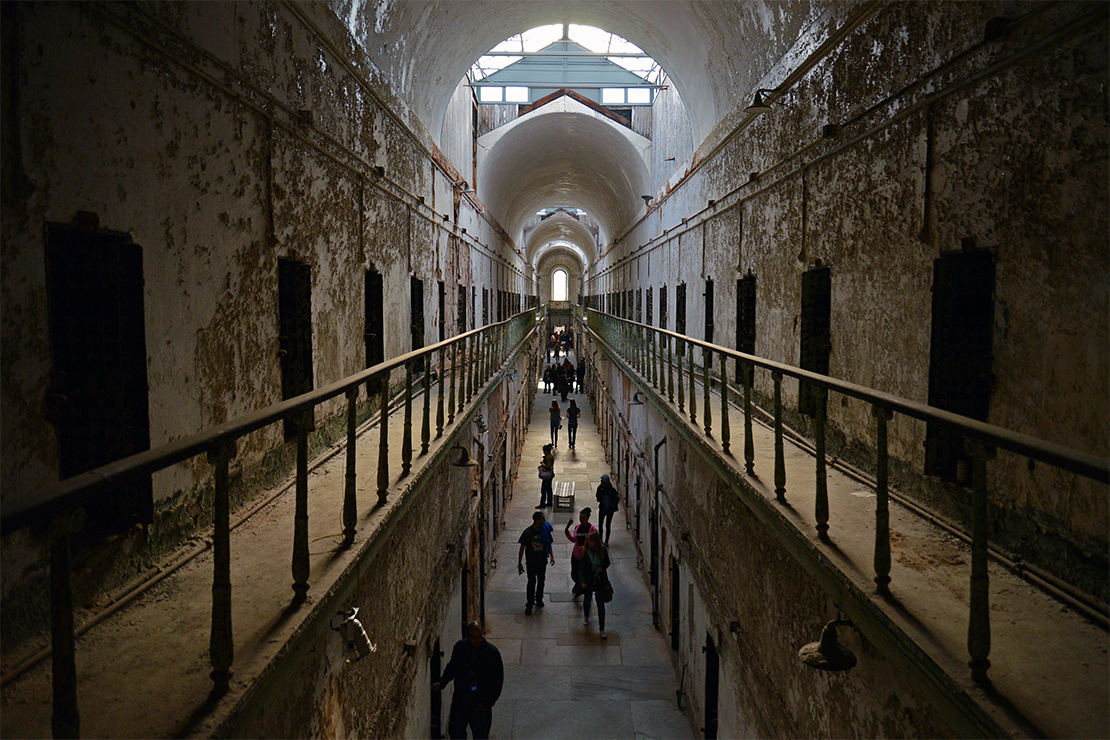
{"type": "Point", "coordinates": [938, 136]}
{"type": "Point", "coordinates": [220, 137]}
{"type": "Point", "coordinates": [732, 571]}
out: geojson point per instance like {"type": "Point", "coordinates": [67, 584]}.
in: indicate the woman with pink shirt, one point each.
{"type": "Point", "coordinates": [579, 539]}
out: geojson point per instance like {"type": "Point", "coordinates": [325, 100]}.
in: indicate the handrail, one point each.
{"type": "Point", "coordinates": [483, 353]}
{"type": "Point", "coordinates": [75, 491]}
{"type": "Point", "coordinates": [1090, 466]}
{"type": "Point", "coordinates": [647, 350]}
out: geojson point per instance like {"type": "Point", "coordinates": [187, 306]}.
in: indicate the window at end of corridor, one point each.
{"type": "Point", "coordinates": [559, 285]}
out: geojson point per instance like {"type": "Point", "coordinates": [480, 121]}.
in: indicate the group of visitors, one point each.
{"type": "Point", "coordinates": [560, 379]}
{"type": "Point", "coordinates": [561, 340]}
{"type": "Point", "coordinates": [476, 666]}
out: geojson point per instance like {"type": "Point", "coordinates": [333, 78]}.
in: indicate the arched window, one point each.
{"type": "Point", "coordinates": [559, 285]}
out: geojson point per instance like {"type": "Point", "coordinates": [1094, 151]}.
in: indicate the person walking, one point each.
{"type": "Point", "coordinates": [607, 500]}
{"type": "Point", "coordinates": [548, 378]}
{"type": "Point", "coordinates": [595, 580]}
{"type": "Point", "coordinates": [547, 477]}
{"type": "Point", "coordinates": [535, 541]}
{"type": "Point", "coordinates": [581, 375]}
{"type": "Point", "coordinates": [572, 422]}
{"type": "Point", "coordinates": [579, 539]}
{"type": "Point", "coordinates": [556, 422]}
{"type": "Point", "coordinates": [479, 674]}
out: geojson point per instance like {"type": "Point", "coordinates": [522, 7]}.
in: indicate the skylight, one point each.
{"type": "Point", "coordinates": [592, 38]}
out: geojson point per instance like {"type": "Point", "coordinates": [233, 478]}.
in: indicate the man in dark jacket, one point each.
{"type": "Point", "coordinates": [478, 672]}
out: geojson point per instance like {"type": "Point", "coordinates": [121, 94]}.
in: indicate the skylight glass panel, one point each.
{"type": "Point", "coordinates": [640, 95]}
{"type": "Point", "coordinates": [490, 94]}
{"type": "Point", "coordinates": [612, 95]}
{"type": "Point", "coordinates": [516, 94]}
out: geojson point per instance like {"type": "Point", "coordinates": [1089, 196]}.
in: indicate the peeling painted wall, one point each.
{"type": "Point", "coordinates": [220, 137]}
{"type": "Point", "coordinates": [936, 136]}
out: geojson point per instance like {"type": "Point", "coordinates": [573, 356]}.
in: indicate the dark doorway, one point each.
{"type": "Point", "coordinates": [462, 309]}
{"type": "Point", "coordinates": [442, 311]}
{"type": "Point", "coordinates": [960, 358]}
{"type": "Point", "coordinates": [712, 684]}
{"type": "Point", "coordinates": [374, 329]}
{"type": "Point", "coordinates": [816, 341]}
{"type": "Point", "coordinates": [745, 321]}
{"type": "Point", "coordinates": [473, 306]}
{"type": "Point", "coordinates": [653, 558]}
{"type": "Point", "coordinates": [416, 312]}
{"type": "Point", "coordinates": [485, 306]}
{"type": "Point", "coordinates": [709, 319]}
{"type": "Point", "coordinates": [676, 605]}
{"type": "Point", "coordinates": [436, 696]}
{"type": "Point", "coordinates": [637, 508]}
{"type": "Point", "coordinates": [648, 317]}
{"type": "Point", "coordinates": [295, 335]}
{"type": "Point", "coordinates": [663, 307]}
{"type": "Point", "coordinates": [680, 313]}
{"type": "Point", "coordinates": [99, 400]}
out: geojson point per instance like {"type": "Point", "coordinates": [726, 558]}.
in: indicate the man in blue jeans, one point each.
{"type": "Point", "coordinates": [535, 542]}
{"type": "Point", "coordinates": [607, 500]}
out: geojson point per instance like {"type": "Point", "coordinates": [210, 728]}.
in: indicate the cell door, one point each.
{"type": "Point", "coordinates": [461, 315]}
{"type": "Point", "coordinates": [416, 314]}
{"type": "Point", "coordinates": [485, 306]}
{"type": "Point", "coordinates": [676, 604]}
{"type": "Point", "coordinates": [99, 398]}
{"type": "Point", "coordinates": [745, 321]}
{"type": "Point", "coordinates": [708, 295]}
{"type": "Point", "coordinates": [680, 313]}
{"type": "Point", "coordinates": [663, 307]}
{"type": "Point", "coordinates": [960, 361]}
{"type": "Point", "coordinates": [295, 335]}
{"type": "Point", "coordinates": [637, 508]}
{"type": "Point", "coordinates": [436, 703]}
{"type": "Point", "coordinates": [712, 686]}
{"type": "Point", "coordinates": [374, 328]}
{"type": "Point", "coordinates": [648, 316]}
{"type": "Point", "coordinates": [442, 311]}
{"type": "Point", "coordinates": [816, 341]}
{"type": "Point", "coordinates": [653, 563]}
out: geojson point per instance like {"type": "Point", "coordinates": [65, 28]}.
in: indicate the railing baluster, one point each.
{"type": "Point", "coordinates": [300, 518]}
{"type": "Point", "coordinates": [693, 384]}
{"type": "Point", "coordinates": [821, 505]}
{"type": "Point", "coordinates": [221, 641]}
{"type": "Point", "coordinates": [882, 505]}
{"type": "Point", "coordinates": [780, 460]}
{"type": "Point", "coordinates": [350, 507]}
{"type": "Point", "coordinates": [979, 620]}
{"type": "Point", "coordinates": [441, 382]}
{"type": "Point", "coordinates": [383, 442]}
{"type": "Point", "coordinates": [706, 356]}
{"type": "Point", "coordinates": [468, 370]}
{"type": "Point", "coordinates": [725, 432]}
{"type": "Point", "coordinates": [749, 441]}
{"type": "Point", "coordinates": [406, 428]}
{"type": "Point", "coordinates": [654, 351]}
{"type": "Point", "coordinates": [681, 393]}
{"type": "Point", "coordinates": [670, 369]}
{"type": "Point", "coordinates": [451, 400]}
{"type": "Point", "coordinates": [426, 422]}
{"type": "Point", "coordinates": [65, 721]}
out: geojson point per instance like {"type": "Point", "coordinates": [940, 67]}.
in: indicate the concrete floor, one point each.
{"type": "Point", "coordinates": [561, 679]}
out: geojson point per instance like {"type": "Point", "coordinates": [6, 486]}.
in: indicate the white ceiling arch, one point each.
{"type": "Point", "coordinates": [714, 52]}
{"type": "Point", "coordinates": [562, 228]}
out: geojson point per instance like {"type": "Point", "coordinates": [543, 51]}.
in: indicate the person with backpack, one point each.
{"type": "Point", "coordinates": [547, 475]}
{"type": "Point", "coordinates": [607, 500]}
{"type": "Point", "coordinates": [595, 580]}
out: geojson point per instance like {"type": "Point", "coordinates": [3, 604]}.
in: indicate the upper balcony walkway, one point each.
{"type": "Point", "coordinates": [1049, 667]}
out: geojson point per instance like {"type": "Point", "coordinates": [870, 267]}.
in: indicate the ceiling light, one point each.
{"type": "Point", "coordinates": [758, 105]}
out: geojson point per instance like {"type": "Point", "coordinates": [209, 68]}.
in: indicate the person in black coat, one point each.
{"type": "Point", "coordinates": [476, 668]}
{"type": "Point", "coordinates": [607, 500]}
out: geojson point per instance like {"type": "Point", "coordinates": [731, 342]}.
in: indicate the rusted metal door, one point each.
{"type": "Point", "coordinates": [295, 335]}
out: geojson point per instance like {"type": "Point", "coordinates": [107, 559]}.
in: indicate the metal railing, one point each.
{"type": "Point", "coordinates": [463, 364]}
{"type": "Point", "coordinates": [665, 362]}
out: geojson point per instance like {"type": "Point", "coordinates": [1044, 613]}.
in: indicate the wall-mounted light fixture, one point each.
{"type": "Point", "coordinates": [758, 105]}
{"type": "Point", "coordinates": [480, 422]}
{"type": "Point", "coordinates": [828, 654]}
{"type": "Point", "coordinates": [464, 460]}
{"type": "Point", "coordinates": [356, 645]}
{"type": "Point", "coordinates": [647, 199]}
{"type": "Point", "coordinates": [637, 399]}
